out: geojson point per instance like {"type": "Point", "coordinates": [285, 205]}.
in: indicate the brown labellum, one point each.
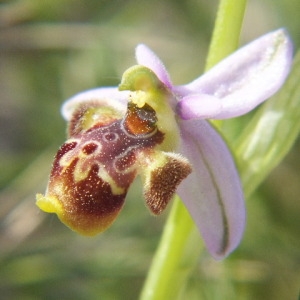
{"type": "Point", "coordinates": [93, 170]}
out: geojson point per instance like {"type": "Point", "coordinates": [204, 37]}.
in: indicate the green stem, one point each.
{"type": "Point", "coordinates": [227, 30]}
{"type": "Point", "coordinates": [226, 34]}
{"type": "Point", "coordinates": [180, 246]}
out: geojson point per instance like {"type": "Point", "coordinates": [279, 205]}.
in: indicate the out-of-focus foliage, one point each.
{"type": "Point", "coordinates": [52, 49]}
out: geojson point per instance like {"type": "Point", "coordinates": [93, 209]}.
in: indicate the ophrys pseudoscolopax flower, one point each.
{"type": "Point", "coordinates": [149, 127]}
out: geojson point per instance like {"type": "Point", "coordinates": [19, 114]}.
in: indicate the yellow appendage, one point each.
{"type": "Point", "coordinates": [49, 204]}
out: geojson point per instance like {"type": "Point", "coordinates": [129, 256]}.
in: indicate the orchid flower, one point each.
{"type": "Point", "coordinates": [149, 127]}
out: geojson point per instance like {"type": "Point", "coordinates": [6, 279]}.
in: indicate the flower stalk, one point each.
{"type": "Point", "coordinates": [226, 35]}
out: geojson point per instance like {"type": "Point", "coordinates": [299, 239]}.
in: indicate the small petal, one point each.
{"type": "Point", "coordinates": [147, 58]}
{"type": "Point", "coordinates": [161, 173]}
{"type": "Point", "coordinates": [212, 193]}
{"type": "Point", "coordinates": [109, 96]}
{"type": "Point", "coordinates": [247, 77]}
{"type": "Point", "coordinates": [199, 106]}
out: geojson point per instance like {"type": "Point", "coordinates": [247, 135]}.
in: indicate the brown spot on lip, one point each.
{"type": "Point", "coordinates": [89, 148]}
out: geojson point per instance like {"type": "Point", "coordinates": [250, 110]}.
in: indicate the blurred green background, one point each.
{"type": "Point", "coordinates": [52, 49]}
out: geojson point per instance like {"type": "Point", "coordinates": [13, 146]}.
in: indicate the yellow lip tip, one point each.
{"type": "Point", "coordinates": [48, 204]}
